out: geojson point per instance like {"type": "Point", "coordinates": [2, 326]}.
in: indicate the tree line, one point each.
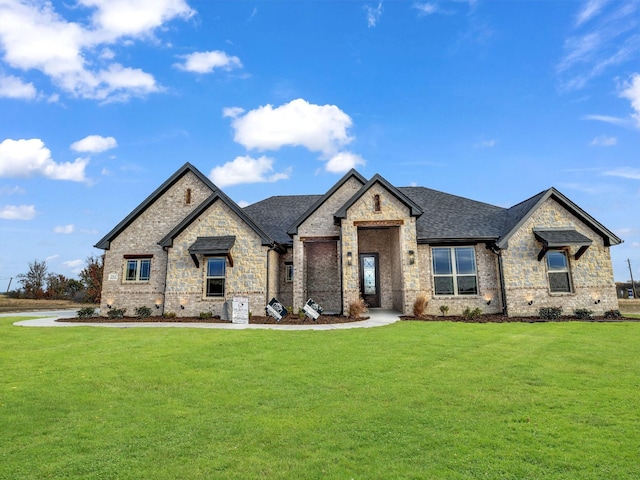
{"type": "Point", "coordinates": [38, 283]}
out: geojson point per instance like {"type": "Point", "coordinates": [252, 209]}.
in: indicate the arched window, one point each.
{"type": "Point", "coordinates": [187, 197]}
{"type": "Point", "coordinates": [376, 203]}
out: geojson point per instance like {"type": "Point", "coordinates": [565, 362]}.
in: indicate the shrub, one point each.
{"type": "Point", "coordinates": [169, 315]}
{"type": "Point", "coordinates": [612, 314]}
{"type": "Point", "coordinates": [117, 313]}
{"type": "Point", "coordinates": [143, 312]}
{"type": "Point", "coordinates": [206, 315]}
{"type": "Point", "coordinates": [444, 309]}
{"type": "Point", "coordinates": [357, 308]}
{"type": "Point", "coordinates": [583, 313]}
{"type": "Point", "coordinates": [550, 313]}
{"type": "Point", "coordinates": [470, 313]}
{"type": "Point", "coordinates": [420, 305]}
{"type": "Point", "coordinates": [86, 312]}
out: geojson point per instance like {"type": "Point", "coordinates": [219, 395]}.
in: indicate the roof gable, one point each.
{"type": "Point", "coordinates": [167, 241]}
{"type": "Point", "coordinates": [520, 213]}
{"type": "Point", "coordinates": [105, 242]}
{"type": "Point", "coordinates": [413, 207]}
{"type": "Point", "coordinates": [293, 229]}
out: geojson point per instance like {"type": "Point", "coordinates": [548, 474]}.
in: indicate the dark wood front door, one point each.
{"type": "Point", "coordinates": [370, 279]}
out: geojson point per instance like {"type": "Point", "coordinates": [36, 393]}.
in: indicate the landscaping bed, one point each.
{"type": "Point", "coordinates": [256, 320]}
{"type": "Point", "coordinates": [504, 319]}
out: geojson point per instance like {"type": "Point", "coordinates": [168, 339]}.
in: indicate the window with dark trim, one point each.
{"type": "Point", "coordinates": [558, 271]}
{"type": "Point", "coordinates": [137, 270]}
{"type": "Point", "coordinates": [288, 272]}
{"type": "Point", "coordinates": [454, 271]}
{"type": "Point", "coordinates": [216, 271]}
{"type": "Point", "coordinates": [187, 197]}
{"type": "Point", "coordinates": [376, 203]}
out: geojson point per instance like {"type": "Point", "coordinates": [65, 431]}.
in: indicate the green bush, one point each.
{"type": "Point", "coordinates": [86, 312]}
{"type": "Point", "coordinates": [117, 313]}
{"type": "Point", "coordinates": [583, 313]}
{"type": "Point", "coordinates": [444, 309]}
{"type": "Point", "coordinates": [612, 314]}
{"type": "Point", "coordinates": [169, 315]}
{"type": "Point", "coordinates": [206, 315]}
{"type": "Point", "coordinates": [471, 314]}
{"type": "Point", "coordinates": [550, 313]}
{"type": "Point", "coordinates": [143, 312]}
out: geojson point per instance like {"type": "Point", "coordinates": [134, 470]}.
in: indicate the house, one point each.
{"type": "Point", "coordinates": [188, 248]}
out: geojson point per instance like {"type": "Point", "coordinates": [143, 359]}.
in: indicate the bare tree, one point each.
{"type": "Point", "coordinates": [33, 281]}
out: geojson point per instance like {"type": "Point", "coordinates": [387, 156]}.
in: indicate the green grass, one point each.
{"type": "Point", "coordinates": [412, 400]}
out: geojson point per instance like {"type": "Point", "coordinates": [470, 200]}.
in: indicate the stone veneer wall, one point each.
{"type": "Point", "coordinates": [392, 212]}
{"type": "Point", "coordinates": [141, 237]}
{"type": "Point", "coordinates": [247, 277]}
{"type": "Point", "coordinates": [488, 284]}
{"type": "Point", "coordinates": [319, 224]}
{"type": "Point", "coordinates": [526, 277]}
{"type": "Point", "coordinates": [285, 289]}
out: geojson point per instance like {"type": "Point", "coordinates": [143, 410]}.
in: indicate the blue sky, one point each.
{"type": "Point", "coordinates": [102, 100]}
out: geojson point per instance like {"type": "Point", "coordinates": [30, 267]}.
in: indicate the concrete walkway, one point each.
{"type": "Point", "coordinates": [377, 318]}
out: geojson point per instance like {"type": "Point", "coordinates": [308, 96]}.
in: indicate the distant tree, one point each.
{"type": "Point", "coordinates": [74, 290]}
{"type": "Point", "coordinates": [91, 277]}
{"type": "Point", "coordinates": [56, 286]}
{"type": "Point", "coordinates": [33, 282]}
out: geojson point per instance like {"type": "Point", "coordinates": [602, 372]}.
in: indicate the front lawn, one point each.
{"type": "Point", "coordinates": [411, 400]}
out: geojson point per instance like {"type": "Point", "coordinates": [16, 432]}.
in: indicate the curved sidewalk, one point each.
{"type": "Point", "coordinates": [377, 318]}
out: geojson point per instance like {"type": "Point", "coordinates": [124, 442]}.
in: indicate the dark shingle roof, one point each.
{"type": "Point", "coordinates": [560, 237]}
{"type": "Point", "coordinates": [276, 214]}
{"type": "Point", "coordinates": [449, 217]}
{"type": "Point", "coordinates": [213, 245]}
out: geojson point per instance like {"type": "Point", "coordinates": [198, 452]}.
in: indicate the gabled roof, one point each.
{"type": "Point", "coordinates": [276, 214]}
{"type": "Point", "coordinates": [167, 241]}
{"type": "Point", "coordinates": [105, 242]}
{"type": "Point", "coordinates": [449, 218]}
{"type": "Point", "coordinates": [520, 213]}
{"type": "Point", "coordinates": [413, 207]}
{"type": "Point", "coordinates": [293, 229]}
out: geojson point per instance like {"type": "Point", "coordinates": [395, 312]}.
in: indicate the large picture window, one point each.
{"type": "Point", "coordinates": [216, 270]}
{"type": "Point", "coordinates": [558, 271]}
{"type": "Point", "coordinates": [454, 271]}
{"type": "Point", "coordinates": [138, 270]}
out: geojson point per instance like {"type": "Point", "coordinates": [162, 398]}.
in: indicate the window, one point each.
{"type": "Point", "coordinates": [138, 270]}
{"type": "Point", "coordinates": [288, 268]}
{"type": "Point", "coordinates": [558, 271]}
{"type": "Point", "coordinates": [216, 267]}
{"type": "Point", "coordinates": [187, 196]}
{"type": "Point", "coordinates": [454, 271]}
{"type": "Point", "coordinates": [376, 203]}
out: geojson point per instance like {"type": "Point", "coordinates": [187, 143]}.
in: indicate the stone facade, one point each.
{"type": "Point", "coordinates": [355, 217]}
{"type": "Point", "coordinates": [141, 238]}
{"type": "Point", "coordinates": [526, 279]}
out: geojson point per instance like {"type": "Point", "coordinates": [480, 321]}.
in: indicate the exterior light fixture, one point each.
{"type": "Point", "coordinates": [158, 302]}
{"type": "Point", "coordinates": [412, 257]}
{"type": "Point", "coordinates": [530, 302]}
{"type": "Point", "coordinates": [349, 259]}
{"type": "Point", "coordinates": [597, 301]}
{"type": "Point", "coordinates": [110, 302]}
{"type": "Point", "coordinates": [488, 298]}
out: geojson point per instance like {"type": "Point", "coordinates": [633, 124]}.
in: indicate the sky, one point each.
{"type": "Point", "coordinates": [102, 100]}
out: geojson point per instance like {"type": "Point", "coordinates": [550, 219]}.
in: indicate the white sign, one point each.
{"type": "Point", "coordinates": [113, 276]}
{"type": "Point", "coordinates": [240, 311]}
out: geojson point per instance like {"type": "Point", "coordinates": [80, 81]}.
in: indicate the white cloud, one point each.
{"type": "Point", "coordinates": [624, 172]}
{"type": "Point", "coordinates": [319, 128]}
{"type": "Point", "coordinates": [246, 170]}
{"type": "Point", "coordinates": [343, 162]}
{"type": "Point", "coordinates": [373, 14]}
{"type": "Point", "coordinates": [608, 119]}
{"type": "Point", "coordinates": [5, 190]}
{"type": "Point", "coordinates": [486, 144]}
{"type": "Point", "coordinates": [94, 144]}
{"type": "Point", "coordinates": [632, 93]}
{"type": "Point", "coordinates": [75, 265]}
{"type": "Point", "coordinates": [26, 158]}
{"type": "Point", "coordinates": [206, 62]}
{"type": "Point", "coordinates": [426, 8]}
{"type": "Point", "coordinates": [232, 112]}
{"type": "Point", "coordinates": [604, 141]}
{"type": "Point", "coordinates": [75, 55]}
{"type": "Point", "coordinates": [17, 212]}
{"type": "Point", "coordinates": [14, 87]}
{"type": "Point", "coordinates": [605, 35]}
{"type": "Point", "coordinates": [65, 229]}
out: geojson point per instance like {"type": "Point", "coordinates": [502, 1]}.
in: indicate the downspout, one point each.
{"type": "Point", "coordinates": [164, 288]}
{"type": "Point", "coordinates": [271, 247]}
{"type": "Point", "coordinates": [503, 293]}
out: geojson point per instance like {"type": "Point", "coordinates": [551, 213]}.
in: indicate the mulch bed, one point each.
{"type": "Point", "coordinates": [505, 319]}
{"type": "Point", "coordinates": [257, 320]}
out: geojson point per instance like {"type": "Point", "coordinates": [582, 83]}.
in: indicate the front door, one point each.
{"type": "Point", "coordinates": [370, 279]}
